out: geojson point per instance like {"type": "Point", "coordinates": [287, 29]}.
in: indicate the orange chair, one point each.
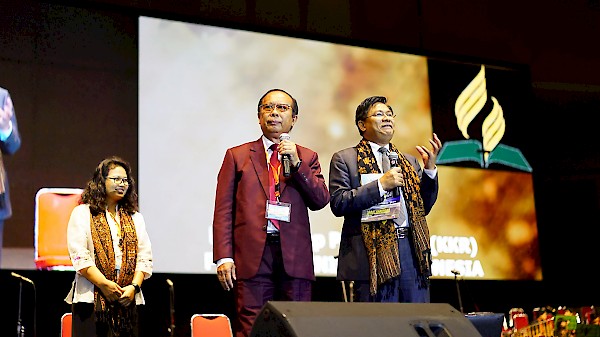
{"type": "Point", "coordinates": [53, 208]}
{"type": "Point", "coordinates": [65, 325]}
{"type": "Point", "coordinates": [213, 325]}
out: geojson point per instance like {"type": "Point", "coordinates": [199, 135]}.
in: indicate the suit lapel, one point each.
{"type": "Point", "coordinates": [259, 161]}
{"type": "Point", "coordinates": [353, 167]}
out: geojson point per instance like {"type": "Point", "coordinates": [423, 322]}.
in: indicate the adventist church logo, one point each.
{"type": "Point", "coordinates": [489, 150]}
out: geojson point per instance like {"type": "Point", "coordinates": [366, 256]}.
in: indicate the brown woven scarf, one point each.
{"type": "Point", "coordinates": [380, 236]}
{"type": "Point", "coordinates": [120, 319]}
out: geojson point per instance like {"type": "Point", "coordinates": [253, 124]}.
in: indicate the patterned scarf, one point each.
{"type": "Point", "coordinates": [380, 236]}
{"type": "Point", "coordinates": [120, 319]}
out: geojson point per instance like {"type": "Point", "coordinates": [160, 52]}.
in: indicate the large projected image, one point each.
{"type": "Point", "coordinates": [199, 87]}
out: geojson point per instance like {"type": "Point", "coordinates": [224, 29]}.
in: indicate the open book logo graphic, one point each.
{"type": "Point", "coordinates": [468, 105]}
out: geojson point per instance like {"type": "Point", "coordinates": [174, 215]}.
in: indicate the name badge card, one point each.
{"type": "Point", "coordinates": [389, 208]}
{"type": "Point", "coordinates": [278, 210]}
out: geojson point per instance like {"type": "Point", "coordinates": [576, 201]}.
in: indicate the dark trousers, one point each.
{"type": "Point", "coordinates": [84, 324]}
{"type": "Point", "coordinates": [409, 287]}
{"type": "Point", "coordinates": [270, 283]}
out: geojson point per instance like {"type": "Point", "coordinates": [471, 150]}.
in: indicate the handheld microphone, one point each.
{"type": "Point", "coordinates": [393, 156]}
{"type": "Point", "coordinates": [393, 159]}
{"type": "Point", "coordinates": [22, 278]}
{"type": "Point", "coordinates": [285, 158]}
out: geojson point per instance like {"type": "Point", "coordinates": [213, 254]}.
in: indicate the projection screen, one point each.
{"type": "Point", "coordinates": [199, 86]}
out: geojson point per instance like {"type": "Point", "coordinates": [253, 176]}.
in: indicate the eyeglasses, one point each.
{"type": "Point", "coordinates": [119, 180]}
{"type": "Point", "coordinates": [381, 114]}
{"type": "Point", "coordinates": [282, 107]}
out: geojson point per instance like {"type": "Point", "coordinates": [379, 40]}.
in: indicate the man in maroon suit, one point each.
{"type": "Point", "coordinates": [261, 228]}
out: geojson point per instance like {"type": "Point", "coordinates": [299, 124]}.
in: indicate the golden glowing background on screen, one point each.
{"type": "Point", "coordinates": [199, 88]}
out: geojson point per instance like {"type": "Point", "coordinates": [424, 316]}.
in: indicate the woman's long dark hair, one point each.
{"type": "Point", "coordinates": [94, 193]}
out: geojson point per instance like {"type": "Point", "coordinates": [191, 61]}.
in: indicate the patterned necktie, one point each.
{"type": "Point", "coordinates": [385, 160]}
{"type": "Point", "coordinates": [274, 166]}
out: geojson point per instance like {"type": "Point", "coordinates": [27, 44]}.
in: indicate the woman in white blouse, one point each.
{"type": "Point", "coordinates": [111, 253]}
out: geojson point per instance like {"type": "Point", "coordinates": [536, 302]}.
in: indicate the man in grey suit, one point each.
{"type": "Point", "coordinates": [10, 142]}
{"type": "Point", "coordinates": [384, 246]}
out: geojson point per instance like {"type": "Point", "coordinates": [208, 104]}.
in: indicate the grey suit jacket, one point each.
{"type": "Point", "coordinates": [349, 198]}
{"type": "Point", "coordinates": [8, 147]}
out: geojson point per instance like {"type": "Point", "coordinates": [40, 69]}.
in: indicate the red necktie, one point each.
{"type": "Point", "coordinates": [274, 166]}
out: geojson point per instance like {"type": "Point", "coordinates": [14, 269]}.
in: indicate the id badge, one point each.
{"type": "Point", "coordinates": [278, 210]}
{"type": "Point", "coordinates": [382, 212]}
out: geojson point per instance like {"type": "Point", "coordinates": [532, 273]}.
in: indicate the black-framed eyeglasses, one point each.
{"type": "Point", "coordinates": [119, 180]}
{"type": "Point", "coordinates": [381, 114]}
{"type": "Point", "coordinates": [269, 107]}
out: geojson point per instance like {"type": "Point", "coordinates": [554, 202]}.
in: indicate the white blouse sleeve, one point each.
{"type": "Point", "coordinates": [81, 249]}
{"type": "Point", "coordinates": [144, 255]}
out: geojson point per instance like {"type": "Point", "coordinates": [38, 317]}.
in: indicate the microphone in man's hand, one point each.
{"type": "Point", "coordinates": [393, 159]}
{"type": "Point", "coordinates": [393, 156]}
{"type": "Point", "coordinates": [285, 158]}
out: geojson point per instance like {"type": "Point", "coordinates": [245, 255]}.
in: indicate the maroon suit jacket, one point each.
{"type": "Point", "coordinates": [239, 224]}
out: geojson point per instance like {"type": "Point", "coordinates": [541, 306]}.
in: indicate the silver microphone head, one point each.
{"type": "Point", "coordinates": [284, 136]}
{"type": "Point", "coordinates": [393, 158]}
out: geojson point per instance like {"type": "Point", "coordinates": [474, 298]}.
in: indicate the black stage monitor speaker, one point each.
{"type": "Point", "coordinates": [353, 319]}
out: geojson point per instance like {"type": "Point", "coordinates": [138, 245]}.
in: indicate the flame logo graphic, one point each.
{"type": "Point", "coordinates": [469, 104]}
{"type": "Point", "coordinates": [493, 129]}
{"type": "Point", "coordinates": [489, 150]}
